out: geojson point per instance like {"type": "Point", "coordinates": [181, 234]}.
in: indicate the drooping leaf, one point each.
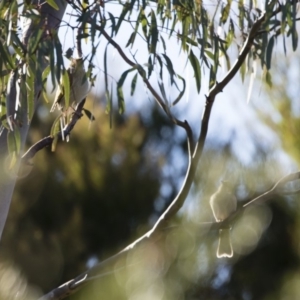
{"type": "Point", "coordinates": [59, 58]}
{"type": "Point", "coordinates": [30, 77]}
{"type": "Point", "coordinates": [54, 132]}
{"type": "Point", "coordinates": [150, 66]}
{"type": "Point", "coordinates": [225, 12]}
{"type": "Point", "coordinates": [269, 52]}
{"type": "Point", "coordinates": [197, 71]}
{"type": "Point", "coordinates": [120, 94]}
{"type": "Point", "coordinates": [294, 29]}
{"type": "Point", "coordinates": [161, 66]}
{"type": "Point", "coordinates": [127, 8]}
{"type": "Point", "coordinates": [153, 34]}
{"type": "Point", "coordinates": [144, 23]}
{"type": "Point", "coordinates": [133, 84]}
{"type": "Point", "coordinates": [212, 77]}
{"type": "Point", "coordinates": [243, 70]}
{"type": "Point", "coordinates": [7, 58]}
{"type": "Point", "coordinates": [163, 92]}
{"type": "Point", "coordinates": [105, 68]}
{"type": "Point", "coordinates": [113, 22]}
{"type": "Point", "coordinates": [269, 79]}
{"type": "Point", "coordinates": [34, 40]}
{"type": "Point", "coordinates": [181, 92]}
{"type": "Point", "coordinates": [209, 54]}
{"type": "Point", "coordinates": [169, 66]}
{"type": "Point", "coordinates": [131, 39]}
{"type": "Point", "coordinates": [163, 43]}
{"type": "Point", "coordinates": [53, 4]}
{"type": "Point", "coordinates": [66, 87]}
{"type": "Point", "coordinates": [45, 75]}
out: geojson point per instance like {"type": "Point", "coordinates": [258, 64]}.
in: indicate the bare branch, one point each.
{"type": "Point", "coordinates": [185, 125]}
{"type": "Point", "coordinates": [275, 189]}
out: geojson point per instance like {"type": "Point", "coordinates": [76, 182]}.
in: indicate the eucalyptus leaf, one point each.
{"type": "Point", "coordinates": [197, 71]}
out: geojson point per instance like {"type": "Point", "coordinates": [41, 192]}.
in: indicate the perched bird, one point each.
{"type": "Point", "coordinates": [223, 203]}
{"type": "Point", "coordinates": [79, 86]}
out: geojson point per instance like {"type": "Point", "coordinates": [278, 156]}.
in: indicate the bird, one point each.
{"type": "Point", "coordinates": [79, 85]}
{"type": "Point", "coordinates": [223, 203]}
{"type": "Point", "coordinates": [79, 88]}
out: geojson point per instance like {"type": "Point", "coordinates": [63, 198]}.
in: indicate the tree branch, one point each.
{"type": "Point", "coordinates": [76, 283]}
{"type": "Point", "coordinates": [47, 141]}
{"type": "Point", "coordinates": [184, 124]}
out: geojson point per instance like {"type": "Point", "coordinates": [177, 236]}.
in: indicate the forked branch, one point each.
{"type": "Point", "coordinates": [76, 283]}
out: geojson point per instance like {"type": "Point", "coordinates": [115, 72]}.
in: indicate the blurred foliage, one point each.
{"type": "Point", "coordinates": [283, 101]}
{"type": "Point", "coordinates": [89, 198]}
{"type": "Point", "coordinates": [75, 208]}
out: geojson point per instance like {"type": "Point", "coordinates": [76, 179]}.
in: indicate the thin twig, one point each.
{"type": "Point", "coordinates": [275, 189]}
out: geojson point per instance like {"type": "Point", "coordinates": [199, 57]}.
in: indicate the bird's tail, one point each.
{"type": "Point", "coordinates": [224, 246]}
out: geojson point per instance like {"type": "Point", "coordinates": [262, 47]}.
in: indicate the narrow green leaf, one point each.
{"type": "Point", "coordinates": [121, 101]}
{"type": "Point", "coordinates": [209, 54]}
{"type": "Point", "coordinates": [66, 87]}
{"type": "Point", "coordinates": [113, 22]}
{"type": "Point", "coordinates": [133, 84]}
{"type": "Point", "coordinates": [59, 59]}
{"type": "Point", "coordinates": [54, 132]}
{"type": "Point", "coordinates": [30, 77]}
{"type": "Point", "coordinates": [161, 66]}
{"type": "Point", "coordinates": [109, 106]}
{"type": "Point", "coordinates": [241, 14]}
{"type": "Point", "coordinates": [45, 75]}
{"type": "Point", "coordinates": [128, 6]}
{"type": "Point", "coordinates": [144, 23]}
{"type": "Point", "coordinates": [153, 34]}
{"type": "Point", "coordinates": [212, 77]}
{"type": "Point", "coordinates": [269, 52]}
{"type": "Point", "coordinates": [294, 29]}
{"type": "Point", "coordinates": [105, 68]}
{"type": "Point", "coordinates": [216, 55]}
{"type": "Point", "coordinates": [53, 4]}
{"type": "Point", "coordinates": [169, 66]}
{"type": "Point", "coordinates": [7, 58]}
{"type": "Point", "coordinates": [34, 40]}
{"type": "Point", "coordinates": [162, 90]}
{"type": "Point", "coordinates": [52, 67]}
{"type": "Point", "coordinates": [196, 67]}
{"type": "Point", "coordinates": [294, 39]}
{"type": "Point", "coordinates": [269, 79]}
{"type": "Point", "coordinates": [131, 39]}
{"type": "Point", "coordinates": [120, 94]}
{"type": "Point", "coordinates": [163, 43]}
{"type": "Point", "coordinates": [150, 66]}
{"type": "Point", "coordinates": [225, 12]}
{"type": "Point", "coordinates": [243, 71]}
{"type": "Point", "coordinates": [181, 92]}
